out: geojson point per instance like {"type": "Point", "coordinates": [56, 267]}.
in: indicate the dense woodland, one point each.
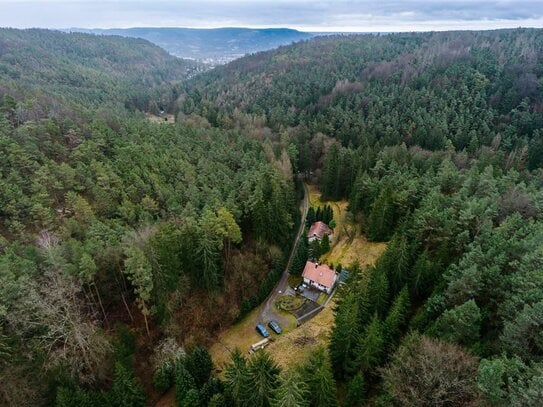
{"type": "Point", "coordinates": [120, 238]}
{"type": "Point", "coordinates": [117, 234]}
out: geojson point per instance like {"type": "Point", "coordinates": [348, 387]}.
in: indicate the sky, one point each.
{"type": "Point", "coordinates": [306, 15]}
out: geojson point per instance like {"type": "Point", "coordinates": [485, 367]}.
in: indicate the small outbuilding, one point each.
{"type": "Point", "coordinates": [318, 230]}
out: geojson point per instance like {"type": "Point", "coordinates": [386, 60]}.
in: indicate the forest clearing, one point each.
{"type": "Point", "coordinates": [348, 245]}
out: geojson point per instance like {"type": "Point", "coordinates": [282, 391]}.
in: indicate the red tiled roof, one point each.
{"type": "Point", "coordinates": [319, 229]}
{"type": "Point", "coordinates": [321, 274]}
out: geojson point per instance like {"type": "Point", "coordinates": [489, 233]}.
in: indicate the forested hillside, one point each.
{"type": "Point", "coordinates": [126, 246]}
{"type": "Point", "coordinates": [53, 72]}
{"type": "Point", "coordinates": [120, 238]}
{"type": "Point", "coordinates": [436, 139]}
{"type": "Point", "coordinates": [211, 45]}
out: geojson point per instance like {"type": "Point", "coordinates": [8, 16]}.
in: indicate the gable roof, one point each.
{"type": "Point", "coordinates": [319, 273]}
{"type": "Point", "coordinates": [318, 229]}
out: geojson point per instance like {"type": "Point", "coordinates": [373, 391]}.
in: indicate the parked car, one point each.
{"type": "Point", "coordinates": [274, 326]}
{"type": "Point", "coordinates": [262, 331]}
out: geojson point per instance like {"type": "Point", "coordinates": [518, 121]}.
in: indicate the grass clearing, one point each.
{"type": "Point", "coordinates": [242, 336]}
{"type": "Point", "coordinates": [165, 118]}
{"type": "Point", "coordinates": [294, 347]}
{"type": "Point", "coordinates": [348, 244]}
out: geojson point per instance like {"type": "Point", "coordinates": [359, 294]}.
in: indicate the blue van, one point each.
{"type": "Point", "coordinates": [262, 331]}
{"type": "Point", "coordinates": [274, 326]}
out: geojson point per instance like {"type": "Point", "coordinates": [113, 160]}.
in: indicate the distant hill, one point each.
{"type": "Point", "coordinates": [214, 46]}
{"type": "Point", "coordinates": [85, 70]}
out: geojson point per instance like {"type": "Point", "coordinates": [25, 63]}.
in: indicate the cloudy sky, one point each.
{"type": "Point", "coordinates": [309, 15]}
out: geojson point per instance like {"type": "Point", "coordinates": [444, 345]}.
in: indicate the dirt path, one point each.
{"type": "Point", "coordinates": [267, 310]}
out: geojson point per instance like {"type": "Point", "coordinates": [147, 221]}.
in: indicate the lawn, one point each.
{"type": "Point", "coordinates": [242, 336]}
{"type": "Point", "coordinates": [348, 244]}
{"type": "Point", "coordinates": [294, 347]}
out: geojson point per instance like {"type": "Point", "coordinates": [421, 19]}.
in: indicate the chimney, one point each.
{"type": "Point", "coordinates": [316, 264]}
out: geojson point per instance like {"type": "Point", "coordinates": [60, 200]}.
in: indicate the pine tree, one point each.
{"type": "Point", "coordinates": [125, 390]}
{"type": "Point", "coordinates": [183, 383]}
{"type": "Point", "coordinates": [356, 391]}
{"type": "Point", "coordinates": [292, 392]}
{"type": "Point", "coordinates": [318, 214]}
{"type": "Point", "coordinates": [140, 274]}
{"type": "Point", "coordinates": [325, 244]}
{"type": "Point", "coordinates": [311, 216]}
{"type": "Point", "coordinates": [199, 365]}
{"type": "Point", "coordinates": [236, 377]}
{"type": "Point", "coordinates": [217, 400]}
{"type": "Point", "coordinates": [378, 291]}
{"type": "Point", "coordinates": [315, 250]}
{"type": "Point", "coordinates": [262, 380]}
{"type": "Point", "coordinates": [369, 352]}
{"type": "Point", "coordinates": [192, 399]}
{"type": "Point", "coordinates": [396, 319]}
{"type": "Point", "coordinates": [381, 218]}
{"type": "Point", "coordinates": [318, 375]}
{"type": "Point", "coordinates": [345, 333]}
{"type": "Point", "coordinates": [300, 257]}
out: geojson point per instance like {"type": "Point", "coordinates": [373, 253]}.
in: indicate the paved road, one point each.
{"type": "Point", "coordinates": [267, 312]}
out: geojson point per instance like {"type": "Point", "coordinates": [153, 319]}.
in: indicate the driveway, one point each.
{"type": "Point", "coordinates": [267, 310]}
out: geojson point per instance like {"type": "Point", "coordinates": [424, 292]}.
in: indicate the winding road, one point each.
{"type": "Point", "coordinates": [267, 311]}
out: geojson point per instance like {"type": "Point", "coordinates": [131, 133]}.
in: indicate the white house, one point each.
{"type": "Point", "coordinates": [320, 276]}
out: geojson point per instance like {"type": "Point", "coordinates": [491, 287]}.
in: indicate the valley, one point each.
{"type": "Point", "coordinates": [378, 196]}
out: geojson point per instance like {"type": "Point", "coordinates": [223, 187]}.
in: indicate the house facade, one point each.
{"type": "Point", "coordinates": [319, 276]}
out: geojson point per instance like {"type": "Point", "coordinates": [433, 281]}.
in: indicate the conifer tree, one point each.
{"type": "Point", "coordinates": [396, 319]}
{"type": "Point", "coordinates": [191, 399]}
{"type": "Point", "coordinates": [315, 250]}
{"type": "Point", "coordinates": [318, 214]}
{"type": "Point", "coordinates": [369, 352]}
{"type": "Point", "coordinates": [292, 392]}
{"type": "Point", "coordinates": [125, 390]}
{"type": "Point", "coordinates": [381, 218]}
{"type": "Point", "coordinates": [345, 334]}
{"type": "Point", "coordinates": [356, 391]}
{"type": "Point", "coordinates": [311, 216]}
{"type": "Point", "coordinates": [317, 373]}
{"type": "Point", "coordinates": [183, 383]}
{"type": "Point", "coordinates": [325, 244]}
{"type": "Point", "coordinates": [262, 380]}
{"type": "Point", "coordinates": [236, 377]}
{"type": "Point", "coordinates": [199, 365]}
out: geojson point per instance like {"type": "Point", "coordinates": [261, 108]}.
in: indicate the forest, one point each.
{"type": "Point", "coordinates": [121, 237]}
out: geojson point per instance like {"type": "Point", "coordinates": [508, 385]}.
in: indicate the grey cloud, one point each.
{"type": "Point", "coordinates": [364, 14]}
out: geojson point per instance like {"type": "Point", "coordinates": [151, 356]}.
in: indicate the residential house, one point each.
{"type": "Point", "coordinates": [318, 230]}
{"type": "Point", "coordinates": [319, 276]}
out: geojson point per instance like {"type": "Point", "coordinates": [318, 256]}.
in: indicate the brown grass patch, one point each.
{"type": "Point", "coordinates": [348, 244]}
{"type": "Point", "coordinates": [294, 347]}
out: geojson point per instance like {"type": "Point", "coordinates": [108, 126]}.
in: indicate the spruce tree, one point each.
{"type": "Point", "coordinates": [236, 377]}
{"type": "Point", "coordinates": [183, 383]}
{"type": "Point", "coordinates": [262, 380]}
{"type": "Point", "coordinates": [396, 319]}
{"type": "Point", "coordinates": [311, 216]}
{"type": "Point", "coordinates": [318, 214]}
{"type": "Point", "coordinates": [345, 333]}
{"type": "Point", "coordinates": [325, 244]}
{"type": "Point", "coordinates": [191, 399]}
{"type": "Point", "coordinates": [315, 250]}
{"type": "Point", "coordinates": [320, 380]}
{"type": "Point", "coordinates": [369, 352]}
{"type": "Point", "coordinates": [356, 391]}
{"type": "Point", "coordinates": [199, 365]}
{"type": "Point", "coordinates": [125, 390]}
{"type": "Point", "coordinates": [292, 392]}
